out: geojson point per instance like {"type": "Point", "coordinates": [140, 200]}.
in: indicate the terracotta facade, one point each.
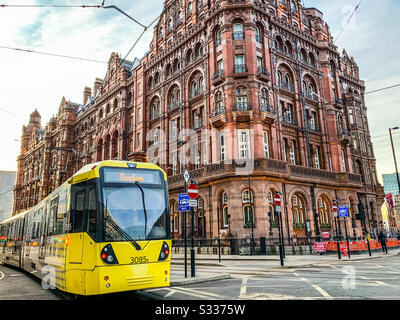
{"type": "Point", "coordinates": [225, 81]}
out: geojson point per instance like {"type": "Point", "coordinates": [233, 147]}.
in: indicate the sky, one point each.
{"type": "Point", "coordinates": [29, 81]}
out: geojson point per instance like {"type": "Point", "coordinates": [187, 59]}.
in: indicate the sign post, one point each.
{"type": "Point", "coordinates": [335, 214]}
{"type": "Point", "coordinates": [193, 193]}
{"type": "Point", "coordinates": [344, 213]}
{"type": "Point", "coordinates": [183, 206]}
{"type": "Point", "coordinates": [278, 210]}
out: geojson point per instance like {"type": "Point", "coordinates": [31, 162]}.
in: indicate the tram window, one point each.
{"type": "Point", "coordinates": [43, 222]}
{"type": "Point", "coordinates": [92, 210]}
{"type": "Point", "coordinates": [38, 222]}
{"type": "Point", "coordinates": [61, 213]}
{"type": "Point", "coordinates": [53, 213]}
{"type": "Point", "coordinates": [78, 211]}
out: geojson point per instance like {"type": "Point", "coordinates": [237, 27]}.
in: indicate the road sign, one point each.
{"type": "Point", "coordinates": [186, 176]}
{"type": "Point", "coordinates": [183, 202]}
{"type": "Point", "coordinates": [193, 203]}
{"type": "Point", "coordinates": [193, 191]}
{"type": "Point", "coordinates": [334, 206]}
{"type": "Point", "coordinates": [326, 235]}
{"type": "Point", "coordinates": [343, 212]}
{"type": "Point", "coordinates": [277, 199]}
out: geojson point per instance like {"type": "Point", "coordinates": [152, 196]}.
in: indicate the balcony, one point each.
{"type": "Point", "coordinates": [263, 74]}
{"type": "Point", "coordinates": [218, 77]}
{"type": "Point", "coordinates": [238, 35]}
{"type": "Point", "coordinates": [218, 117]}
{"type": "Point", "coordinates": [287, 86]}
{"type": "Point", "coordinates": [197, 124]}
{"type": "Point", "coordinates": [267, 114]}
{"type": "Point", "coordinates": [313, 127]}
{"type": "Point", "coordinates": [174, 105]}
{"type": "Point", "coordinates": [196, 95]}
{"type": "Point", "coordinates": [240, 70]}
{"type": "Point", "coordinates": [242, 112]}
{"type": "Point", "coordinates": [344, 136]}
{"type": "Point", "coordinates": [270, 167]}
{"type": "Point", "coordinates": [311, 96]}
{"type": "Point", "coordinates": [289, 120]}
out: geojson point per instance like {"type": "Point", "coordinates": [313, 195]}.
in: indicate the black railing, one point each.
{"type": "Point", "coordinates": [263, 71]}
{"type": "Point", "coordinates": [242, 106]}
{"type": "Point", "coordinates": [240, 68]}
{"type": "Point", "coordinates": [286, 85]}
{"type": "Point", "coordinates": [266, 108]}
{"type": "Point", "coordinates": [238, 35]}
{"type": "Point", "coordinates": [217, 111]}
{"type": "Point", "coordinates": [217, 74]}
{"type": "Point", "coordinates": [289, 120]}
{"type": "Point", "coordinates": [195, 93]}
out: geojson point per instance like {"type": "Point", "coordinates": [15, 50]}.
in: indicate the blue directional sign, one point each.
{"type": "Point", "coordinates": [343, 212]}
{"type": "Point", "coordinates": [183, 202]}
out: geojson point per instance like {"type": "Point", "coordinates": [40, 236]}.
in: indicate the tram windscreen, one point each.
{"type": "Point", "coordinates": [135, 202]}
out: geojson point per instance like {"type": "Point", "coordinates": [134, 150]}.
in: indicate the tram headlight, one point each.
{"type": "Point", "coordinates": [164, 252]}
{"type": "Point", "coordinates": [108, 255]}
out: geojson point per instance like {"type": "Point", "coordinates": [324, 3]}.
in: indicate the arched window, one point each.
{"type": "Point", "coordinates": [273, 217]}
{"type": "Point", "coordinates": [324, 212]}
{"type": "Point", "coordinates": [238, 33]}
{"type": "Point", "coordinates": [257, 31]}
{"type": "Point", "coordinates": [222, 147]}
{"type": "Point", "coordinates": [218, 37]}
{"type": "Point", "coordinates": [161, 33]}
{"type": "Point", "coordinates": [298, 211]}
{"type": "Point", "coordinates": [189, 8]}
{"type": "Point", "coordinates": [248, 210]}
{"type": "Point", "coordinates": [225, 210]}
{"type": "Point", "coordinates": [170, 25]}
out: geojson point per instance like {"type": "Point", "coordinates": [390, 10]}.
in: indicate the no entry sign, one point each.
{"type": "Point", "coordinates": [192, 191]}
{"type": "Point", "coordinates": [277, 199]}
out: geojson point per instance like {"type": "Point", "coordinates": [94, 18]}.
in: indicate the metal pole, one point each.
{"type": "Point", "coordinates": [185, 235]}
{"type": "Point", "coordinates": [251, 211]}
{"type": "Point", "coordinates": [192, 261]}
{"type": "Point", "coordinates": [337, 239]}
{"type": "Point", "coordinates": [394, 157]}
{"type": "Point", "coordinates": [347, 238]}
{"type": "Point", "coordinates": [219, 238]}
{"type": "Point", "coordinates": [280, 238]}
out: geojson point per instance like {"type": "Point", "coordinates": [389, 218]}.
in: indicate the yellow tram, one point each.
{"type": "Point", "coordinates": [104, 230]}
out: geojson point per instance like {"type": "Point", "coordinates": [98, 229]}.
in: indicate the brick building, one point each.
{"type": "Point", "coordinates": [244, 94]}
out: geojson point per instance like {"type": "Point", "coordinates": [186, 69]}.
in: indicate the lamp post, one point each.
{"type": "Point", "coordinates": [394, 156]}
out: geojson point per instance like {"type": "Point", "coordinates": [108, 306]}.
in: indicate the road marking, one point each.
{"type": "Point", "coordinates": [243, 288]}
{"type": "Point", "coordinates": [1, 275]}
{"type": "Point", "coordinates": [203, 293]}
{"type": "Point", "coordinates": [322, 291]}
{"type": "Point", "coordinates": [189, 293]}
{"type": "Point", "coordinates": [169, 293]}
{"type": "Point", "coordinates": [15, 275]}
{"type": "Point", "coordinates": [381, 283]}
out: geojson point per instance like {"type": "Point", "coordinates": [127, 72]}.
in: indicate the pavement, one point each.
{"type": "Point", "coordinates": [258, 263]}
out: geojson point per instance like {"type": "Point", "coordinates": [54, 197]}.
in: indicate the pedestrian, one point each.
{"type": "Point", "coordinates": [382, 239]}
{"type": "Point", "coordinates": [398, 234]}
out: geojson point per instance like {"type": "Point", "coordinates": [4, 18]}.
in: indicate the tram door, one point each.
{"type": "Point", "coordinates": [43, 232]}
{"type": "Point", "coordinates": [78, 201]}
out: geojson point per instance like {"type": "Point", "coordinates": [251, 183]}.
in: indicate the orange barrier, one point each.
{"type": "Point", "coordinates": [355, 246]}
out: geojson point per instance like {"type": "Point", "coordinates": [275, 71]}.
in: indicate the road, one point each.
{"type": "Point", "coordinates": [362, 279]}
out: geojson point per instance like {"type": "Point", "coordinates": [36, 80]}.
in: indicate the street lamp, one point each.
{"type": "Point", "coordinates": [394, 156]}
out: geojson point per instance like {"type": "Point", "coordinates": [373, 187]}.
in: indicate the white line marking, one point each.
{"type": "Point", "coordinates": [381, 283]}
{"type": "Point", "coordinates": [322, 291]}
{"type": "Point", "coordinates": [169, 293]}
{"type": "Point", "coordinates": [243, 288]}
{"type": "Point", "coordinates": [1, 275]}
{"type": "Point", "coordinates": [196, 295]}
{"type": "Point", "coordinates": [203, 293]}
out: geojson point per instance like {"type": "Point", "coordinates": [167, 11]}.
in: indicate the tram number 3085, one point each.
{"type": "Point", "coordinates": [136, 260]}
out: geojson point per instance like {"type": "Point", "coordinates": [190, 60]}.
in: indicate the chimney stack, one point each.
{"type": "Point", "coordinates": [97, 86]}
{"type": "Point", "coordinates": [87, 93]}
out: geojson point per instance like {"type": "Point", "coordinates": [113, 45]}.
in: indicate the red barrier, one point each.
{"type": "Point", "coordinates": [362, 245]}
